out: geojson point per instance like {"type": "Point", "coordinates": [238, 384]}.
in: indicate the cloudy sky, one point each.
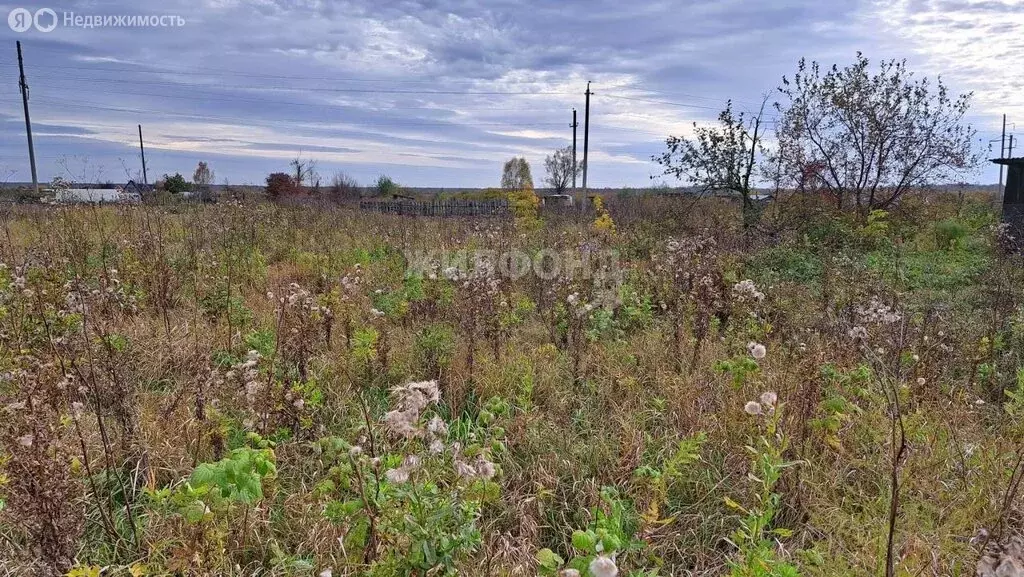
{"type": "Point", "coordinates": [441, 92]}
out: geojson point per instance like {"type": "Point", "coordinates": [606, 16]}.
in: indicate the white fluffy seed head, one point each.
{"type": "Point", "coordinates": [603, 566]}
{"type": "Point", "coordinates": [757, 350]}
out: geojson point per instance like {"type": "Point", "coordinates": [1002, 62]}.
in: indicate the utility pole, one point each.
{"type": "Point", "coordinates": [1002, 152]}
{"type": "Point", "coordinates": [28, 122]}
{"type": "Point", "coordinates": [1009, 154]}
{"type": "Point", "coordinates": [574, 125]}
{"type": "Point", "coordinates": [142, 150]}
{"type": "Point", "coordinates": [586, 137]}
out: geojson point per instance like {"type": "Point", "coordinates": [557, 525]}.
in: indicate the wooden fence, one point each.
{"type": "Point", "coordinates": [496, 207]}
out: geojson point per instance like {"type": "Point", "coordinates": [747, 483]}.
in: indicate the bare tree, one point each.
{"type": "Point", "coordinates": [516, 175]}
{"type": "Point", "coordinates": [80, 171]}
{"type": "Point", "coordinates": [560, 169]}
{"type": "Point", "coordinates": [719, 158]}
{"type": "Point", "coordinates": [343, 187]}
{"type": "Point", "coordinates": [874, 135]}
{"type": "Point", "coordinates": [305, 172]}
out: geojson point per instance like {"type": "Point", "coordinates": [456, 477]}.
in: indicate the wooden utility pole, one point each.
{"type": "Point", "coordinates": [142, 150]}
{"type": "Point", "coordinates": [574, 125]}
{"type": "Point", "coordinates": [586, 137]}
{"type": "Point", "coordinates": [28, 122]}
{"type": "Point", "coordinates": [1002, 153]}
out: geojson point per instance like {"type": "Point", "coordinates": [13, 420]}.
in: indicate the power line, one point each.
{"type": "Point", "coordinates": [218, 72]}
{"type": "Point", "coordinates": [664, 102]}
{"type": "Point", "coordinates": [247, 121]}
{"type": "Point", "coordinates": [143, 111]}
{"type": "Point", "coordinates": [313, 89]}
{"type": "Point", "coordinates": [320, 89]}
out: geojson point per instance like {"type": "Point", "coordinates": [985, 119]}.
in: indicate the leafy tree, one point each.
{"type": "Point", "coordinates": [280, 185]}
{"type": "Point", "coordinates": [873, 136]}
{"type": "Point", "coordinates": [516, 175]}
{"type": "Point", "coordinates": [176, 184]}
{"type": "Point", "coordinates": [386, 186]}
{"type": "Point", "coordinates": [561, 169]}
{"type": "Point", "coordinates": [721, 157]}
{"type": "Point", "coordinates": [203, 176]}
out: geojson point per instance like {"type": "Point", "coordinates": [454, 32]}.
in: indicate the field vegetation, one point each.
{"type": "Point", "coordinates": [239, 389]}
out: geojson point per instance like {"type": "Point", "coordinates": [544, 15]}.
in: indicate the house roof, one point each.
{"type": "Point", "coordinates": [1009, 161]}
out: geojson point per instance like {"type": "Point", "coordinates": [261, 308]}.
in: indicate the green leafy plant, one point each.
{"type": "Point", "coordinates": [755, 537]}
{"type": "Point", "coordinates": [607, 541]}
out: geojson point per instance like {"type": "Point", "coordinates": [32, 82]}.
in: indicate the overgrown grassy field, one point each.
{"type": "Point", "coordinates": [256, 389]}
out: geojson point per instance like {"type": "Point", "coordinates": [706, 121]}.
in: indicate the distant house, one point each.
{"type": "Point", "coordinates": [131, 192]}
{"type": "Point", "coordinates": [135, 189]}
{"type": "Point", "coordinates": [557, 200]}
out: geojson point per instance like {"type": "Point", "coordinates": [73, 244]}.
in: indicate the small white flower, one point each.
{"type": "Point", "coordinates": [752, 408]}
{"type": "Point", "coordinates": [916, 357]}
{"type": "Point", "coordinates": [769, 398]}
{"type": "Point", "coordinates": [355, 451]}
{"type": "Point", "coordinates": [326, 573]}
{"type": "Point", "coordinates": [26, 440]}
{"type": "Point", "coordinates": [603, 566]}
{"type": "Point", "coordinates": [979, 402]}
{"type": "Point", "coordinates": [569, 573]}
{"type": "Point", "coordinates": [376, 313]}
{"type": "Point", "coordinates": [436, 447]}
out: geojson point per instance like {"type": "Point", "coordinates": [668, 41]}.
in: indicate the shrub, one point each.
{"type": "Point", "coordinates": [175, 184]}
{"type": "Point", "coordinates": [343, 187]}
{"type": "Point", "coordinates": [280, 185]}
{"type": "Point", "coordinates": [386, 186]}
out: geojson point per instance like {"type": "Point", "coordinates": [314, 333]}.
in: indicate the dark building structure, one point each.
{"type": "Point", "coordinates": [1013, 197]}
